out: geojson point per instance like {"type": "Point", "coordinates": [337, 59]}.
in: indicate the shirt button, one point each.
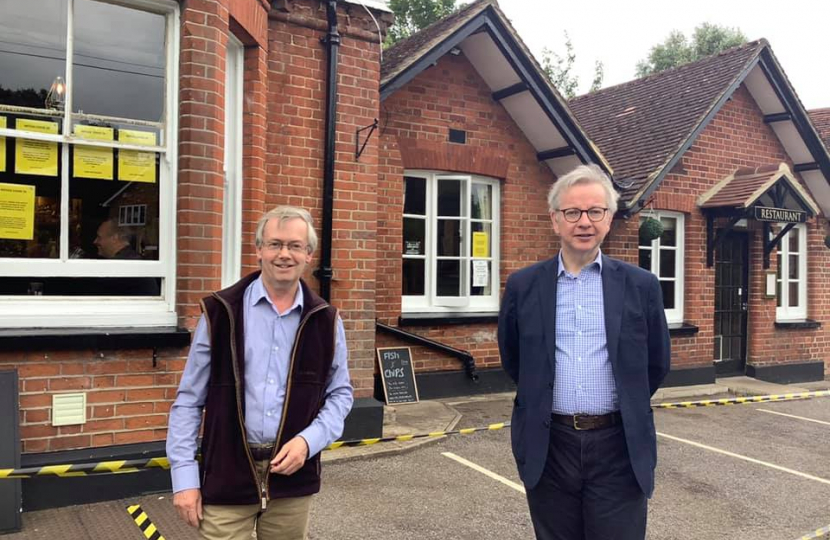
{"type": "Point", "coordinates": [271, 381]}
{"type": "Point", "coordinates": [580, 359]}
{"type": "Point", "coordinates": [579, 333]}
{"type": "Point", "coordinates": [578, 307]}
{"type": "Point", "coordinates": [276, 348]}
{"type": "Point", "coordinates": [268, 413]}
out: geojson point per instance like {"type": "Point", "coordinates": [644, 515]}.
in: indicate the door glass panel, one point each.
{"type": "Point", "coordinates": [414, 236]}
{"type": "Point", "coordinates": [449, 237]}
{"type": "Point", "coordinates": [793, 240]}
{"type": "Point", "coordinates": [793, 269]}
{"type": "Point", "coordinates": [449, 197]}
{"type": "Point", "coordinates": [793, 292]}
{"type": "Point", "coordinates": [449, 278]}
{"type": "Point", "coordinates": [413, 277]}
{"type": "Point", "coordinates": [415, 196]}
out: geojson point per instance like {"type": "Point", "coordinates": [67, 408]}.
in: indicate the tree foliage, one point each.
{"type": "Point", "coordinates": [414, 15]}
{"type": "Point", "coordinates": [676, 50]}
{"type": "Point", "coordinates": [560, 70]}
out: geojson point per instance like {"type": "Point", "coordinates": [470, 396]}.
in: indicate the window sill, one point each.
{"type": "Point", "coordinates": [804, 324]}
{"type": "Point", "coordinates": [441, 319]}
{"type": "Point", "coordinates": [93, 338]}
{"type": "Point", "coordinates": [683, 329]}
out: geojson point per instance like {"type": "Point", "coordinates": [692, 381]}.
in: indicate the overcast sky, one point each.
{"type": "Point", "coordinates": [619, 33]}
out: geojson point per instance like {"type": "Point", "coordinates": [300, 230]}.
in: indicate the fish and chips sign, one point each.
{"type": "Point", "coordinates": [779, 215]}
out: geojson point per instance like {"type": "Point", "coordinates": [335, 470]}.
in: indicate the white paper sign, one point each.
{"type": "Point", "coordinates": [481, 274]}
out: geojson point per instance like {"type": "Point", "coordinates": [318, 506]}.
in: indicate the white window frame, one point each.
{"type": "Point", "coordinates": [85, 311]}
{"type": "Point", "coordinates": [787, 312]}
{"type": "Point", "coordinates": [232, 201]}
{"type": "Point", "coordinates": [673, 315]}
{"type": "Point", "coordinates": [430, 302]}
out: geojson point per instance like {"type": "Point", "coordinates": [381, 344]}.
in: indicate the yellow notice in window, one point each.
{"type": "Point", "coordinates": [2, 146]}
{"type": "Point", "coordinates": [17, 212]}
{"type": "Point", "coordinates": [39, 158]}
{"type": "Point", "coordinates": [93, 161]}
{"type": "Point", "coordinates": [481, 245]}
{"type": "Point", "coordinates": [135, 166]}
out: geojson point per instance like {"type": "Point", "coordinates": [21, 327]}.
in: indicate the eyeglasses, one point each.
{"type": "Point", "coordinates": [572, 215]}
{"type": "Point", "coordinates": [293, 247]}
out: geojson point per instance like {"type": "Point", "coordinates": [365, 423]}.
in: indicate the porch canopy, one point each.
{"type": "Point", "coordinates": [769, 194]}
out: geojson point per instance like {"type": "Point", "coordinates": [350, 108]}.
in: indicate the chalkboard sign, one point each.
{"type": "Point", "coordinates": [398, 375]}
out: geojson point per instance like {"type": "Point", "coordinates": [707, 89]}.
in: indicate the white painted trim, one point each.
{"type": "Point", "coordinates": [799, 312]}
{"type": "Point", "coordinates": [232, 200]}
{"type": "Point", "coordinates": [676, 314]}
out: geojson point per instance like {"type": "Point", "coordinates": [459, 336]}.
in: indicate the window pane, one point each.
{"type": "Point", "coordinates": [668, 294]}
{"type": "Point", "coordinates": [449, 237]}
{"type": "Point", "coordinates": [645, 259]}
{"type": "Point", "coordinates": [669, 237]}
{"type": "Point", "coordinates": [793, 294]}
{"type": "Point", "coordinates": [793, 269]}
{"type": "Point", "coordinates": [32, 50]}
{"type": "Point", "coordinates": [449, 197]}
{"type": "Point", "coordinates": [481, 206]}
{"type": "Point", "coordinates": [778, 300]}
{"type": "Point", "coordinates": [668, 260]}
{"type": "Point", "coordinates": [482, 244]}
{"type": "Point", "coordinates": [449, 278]}
{"type": "Point", "coordinates": [481, 282]}
{"type": "Point", "coordinates": [119, 61]}
{"type": "Point", "coordinates": [415, 196]}
{"type": "Point", "coordinates": [30, 194]}
{"type": "Point", "coordinates": [413, 277]}
{"type": "Point", "coordinates": [100, 286]}
{"type": "Point", "coordinates": [414, 236]}
{"type": "Point", "coordinates": [792, 237]}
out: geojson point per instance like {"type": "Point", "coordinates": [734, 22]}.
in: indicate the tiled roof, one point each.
{"type": "Point", "coordinates": [640, 125]}
{"type": "Point", "coordinates": [821, 120]}
{"type": "Point", "coordinates": [739, 188]}
{"type": "Point", "coordinates": [397, 57]}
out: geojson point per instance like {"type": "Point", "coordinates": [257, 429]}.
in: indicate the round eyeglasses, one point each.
{"type": "Point", "coordinates": [572, 215]}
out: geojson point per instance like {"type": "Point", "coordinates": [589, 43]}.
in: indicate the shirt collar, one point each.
{"type": "Point", "coordinates": [258, 293]}
{"type": "Point", "coordinates": [597, 261]}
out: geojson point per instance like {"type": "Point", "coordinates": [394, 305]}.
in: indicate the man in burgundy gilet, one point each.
{"type": "Point", "coordinates": [268, 365]}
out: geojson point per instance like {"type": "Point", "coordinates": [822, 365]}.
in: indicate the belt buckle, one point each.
{"type": "Point", "coordinates": [576, 423]}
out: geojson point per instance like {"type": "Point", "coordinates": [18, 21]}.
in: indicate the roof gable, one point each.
{"type": "Point", "coordinates": [484, 35]}
{"type": "Point", "coordinates": [645, 126]}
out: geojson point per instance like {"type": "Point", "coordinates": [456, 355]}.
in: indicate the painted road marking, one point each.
{"type": "Point", "coordinates": [518, 487]}
{"type": "Point", "coordinates": [794, 416]}
{"type": "Point", "coordinates": [745, 458]}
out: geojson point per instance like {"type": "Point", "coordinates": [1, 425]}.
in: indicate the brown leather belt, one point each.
{"type": "Point", "coordinates": [261, 452]}
{"type": "Point", "coordinates": [582, 422]}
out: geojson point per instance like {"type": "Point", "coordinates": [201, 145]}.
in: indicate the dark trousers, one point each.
{"type": "Point", "coordinates": [588, 490]}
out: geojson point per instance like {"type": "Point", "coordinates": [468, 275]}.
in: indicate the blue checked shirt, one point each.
{"type": "Point", "coordinates": [584, 380]}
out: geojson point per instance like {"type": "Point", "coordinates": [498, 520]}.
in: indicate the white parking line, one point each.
{"type": "Point", "coordinates": [518, 487]}
{"type": "Point", "coordinates": [794, 416]}
{"type": "Point", "coordinates": [745, 458]}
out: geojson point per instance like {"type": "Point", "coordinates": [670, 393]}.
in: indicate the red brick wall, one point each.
{"type": "Point", "coordinates": [415, 123]}
{"type": "Point", "coordinates": [736, 137]}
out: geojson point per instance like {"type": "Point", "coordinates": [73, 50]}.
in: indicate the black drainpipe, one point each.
{"type": "Point", "coordinates": [465, 356]}
{"type": "Point", "coordinates": [332, 42]}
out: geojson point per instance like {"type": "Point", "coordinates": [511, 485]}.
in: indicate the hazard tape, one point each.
{"type": "Point", "coordinates": [815, 534]}
{"type": "Point", "coordinates": [85, 469]}
{"type": "Point", "coordinates": [741, 400]}
{"type": "Point", "coordinates": [143, 521]}
{"type": "Point", "coordinates": [369, 442]}
{"type": "Point", "coordinates": [129, 466]}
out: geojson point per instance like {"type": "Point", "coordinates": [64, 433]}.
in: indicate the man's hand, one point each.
{"type": "Point", "coordinates": [291, 457]}
{"type": "Point", "coordinates": [188, 504]}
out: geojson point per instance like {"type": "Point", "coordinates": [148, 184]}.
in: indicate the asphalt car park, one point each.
{"type": "Point", "coordinates": [753, 471]}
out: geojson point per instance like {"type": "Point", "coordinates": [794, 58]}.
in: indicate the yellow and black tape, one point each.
{"type": "Point", "coordinates": [85, 469]}
{"type": "Point", "coordinates": [143, 521]}
{"type": "Point", "coordinates": [816, 533]}
{"type": "Point", "coordinates": [741, 400]}
{"type": "Point", "coordinates": [369, 442]}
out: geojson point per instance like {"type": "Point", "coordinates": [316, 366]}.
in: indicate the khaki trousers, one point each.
{"type": "Point", "coordinates": [283, 519]}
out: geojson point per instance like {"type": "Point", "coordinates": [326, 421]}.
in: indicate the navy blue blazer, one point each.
{"type": "Point", "coordinates": [639, 349]}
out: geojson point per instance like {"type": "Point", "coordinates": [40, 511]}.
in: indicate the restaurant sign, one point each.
{"type": "Point", "coordinates": [779, 215]}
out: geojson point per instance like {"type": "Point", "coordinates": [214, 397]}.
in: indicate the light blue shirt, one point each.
{"type": "Point", "coordinates": [584, 379]}
{"type": "Point", "coordinates": [269, 338]}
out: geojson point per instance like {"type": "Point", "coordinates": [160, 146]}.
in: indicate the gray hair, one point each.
{"type": "Point", "coordinates": [283, 214]}
{"type": "Point", "coordinates": [584, 174]}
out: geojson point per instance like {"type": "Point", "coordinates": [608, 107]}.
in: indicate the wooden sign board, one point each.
{"type": "Point", "coordinates": [398, 375]}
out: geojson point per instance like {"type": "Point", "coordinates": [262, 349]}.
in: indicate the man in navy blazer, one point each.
{"type": "Point", "coordinates": [585, 338]}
